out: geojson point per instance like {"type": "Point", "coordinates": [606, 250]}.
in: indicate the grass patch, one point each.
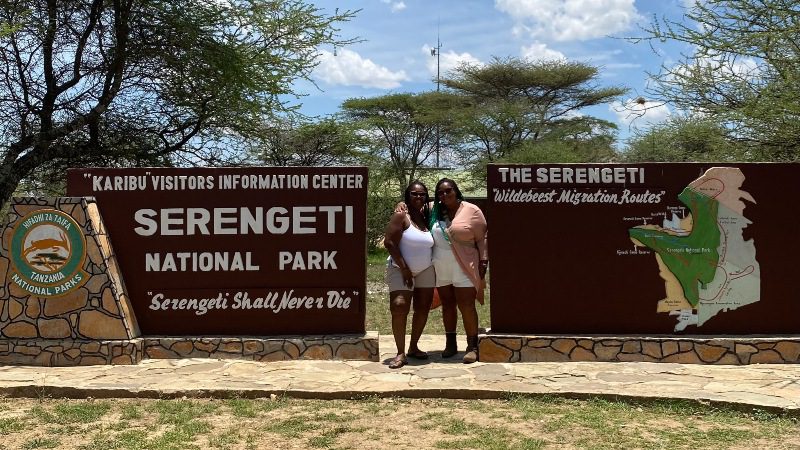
{"type": "Point", "coordinates": [225, 440]}
{"type": "Point", "coordinates": [250, 442]}
{"type": "Point", "coordinates": [10, 425]}
{"type": "Point", "coordinates": [130, 412]}
{"type": "Point", "coordinates": [127, 440]}
{"type": "Point", "coordinates": [242, 407]}
{"type": "Point", "coordinates": [331, 417]}
{"type": "Point", "coordinates": [605, 424]}
{"type": "Point", "coordinates": [39, 414]}
{"type": "Point", "coordinates": [492, 439]}
{"type": "Point", "coordinates": [272, 405]}
{"type": "Point", "coordinates": [41, 442]}
{"type": "Point", "coordinates": [328, 438]}
{"type": "Point", "coordinates": [180, 436]}
{"type": "Point", "coordinates": [69, 412]}
{"type": "Point", "coordinates": [84, 412]}
{"type": "Point", "coordinates": [455, 427]}
{"type": "Point", "coordinates": [180, 412]}
{"type": "Point", "coordinates": [293, 427]}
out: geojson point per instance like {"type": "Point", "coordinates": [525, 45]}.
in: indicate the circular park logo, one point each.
{"type": "Point", "coordinates": [47, 254]}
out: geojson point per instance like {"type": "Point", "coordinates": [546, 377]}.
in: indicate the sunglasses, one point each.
{"type": "Point", "coordinates": [417, 194]}
{"type": "Point", "coordinates": [444, 192]}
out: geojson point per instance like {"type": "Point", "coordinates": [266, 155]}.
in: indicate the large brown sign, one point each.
{"type": "Point", "coordinates": [644, 248]}
{"type": "Point", "coordinates": [255, 251]}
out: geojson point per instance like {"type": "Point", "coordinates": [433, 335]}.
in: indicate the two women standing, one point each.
{"type": "Point", "coordinates": [458, 254]}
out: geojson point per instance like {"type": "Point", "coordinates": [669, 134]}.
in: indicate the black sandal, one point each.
{"type": "Point", "coordinates": [417, 354]}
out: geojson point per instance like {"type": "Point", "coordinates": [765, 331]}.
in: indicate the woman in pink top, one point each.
{"type": "Point", "coordinates": [460, 257]}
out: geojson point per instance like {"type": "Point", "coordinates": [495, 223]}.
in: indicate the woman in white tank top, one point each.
{"type": "Point", "coordinates": [409, 272]}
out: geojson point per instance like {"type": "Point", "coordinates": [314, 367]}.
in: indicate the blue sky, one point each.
{"type": "Point", "coordinates": [398, 35]}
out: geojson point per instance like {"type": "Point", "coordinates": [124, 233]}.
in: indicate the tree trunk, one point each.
{"type": "Point", "coordinates": [8, 184]}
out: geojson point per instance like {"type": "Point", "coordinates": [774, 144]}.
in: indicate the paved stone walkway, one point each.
{"type": "Point", "coordinates": [761, 385]}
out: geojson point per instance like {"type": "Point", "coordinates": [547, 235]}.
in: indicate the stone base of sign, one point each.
{"type": "Point", "coordinates": [93, 324]}
{"type": "Point", "coordinates": [363, 347]}
{"type": "Point", "coordinates": [69, 352]}
{"type": "Point", "coordinates": [496, 347]}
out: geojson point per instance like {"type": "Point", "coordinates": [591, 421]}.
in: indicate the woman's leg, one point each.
{"type": "Point", "coordinates": [450, 318]}
{"type": "Point", "coordinates": [399, 305]}
{"type": "Point", "coordinates": [449, 314]}
{"type": "Point", "coordinates": [423, 297]}
{"type": "Point", "coordinates": [465, 297]}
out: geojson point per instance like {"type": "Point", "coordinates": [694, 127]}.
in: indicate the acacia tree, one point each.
{"type": "Point", "coordinates": [146, 81]}
{"type": "Point", "coordinates": [686, 139]}
{"type": "Point", "coordinates": [514, 102]}
{"type": "Point", "coordinates": [402, 128]}
{"type": "Point", "coordinates": [324, 143]}
{"type": "Point", "coordinates": [743, 72]}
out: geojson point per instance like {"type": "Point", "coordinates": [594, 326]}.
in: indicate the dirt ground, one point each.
{"type": "Point", "coordinates": [516, 423]}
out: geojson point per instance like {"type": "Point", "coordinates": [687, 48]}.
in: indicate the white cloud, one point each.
{"type": "Point", "coordinates": [539, 52]}
{"type": "Point", "coordinates": [395, 6]}
{"type": "Point", "coordinates": [612, 66]}
{"type": "Point", "coordinates": [348, 68]}
{"type": "Point", "coordinates": [447, 60]}
{"type": "Point", "coordinates": [639, 113]}
{"type": "Point", "coordinates": [745, 68]}
{"type": "Point", "coordinates": [570, 20]}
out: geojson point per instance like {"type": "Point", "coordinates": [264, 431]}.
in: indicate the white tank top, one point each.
{"type": "Point", "coordinates": [441, 249]}
{"type": "Point", "coordinates": [416, 246]}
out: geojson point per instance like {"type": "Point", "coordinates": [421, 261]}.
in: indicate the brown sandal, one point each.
{"type": "Point", "coordinates": [398, 361]}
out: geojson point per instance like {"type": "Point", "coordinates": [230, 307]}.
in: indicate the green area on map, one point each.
{"type": "Point", "coordinates": [692, 258]}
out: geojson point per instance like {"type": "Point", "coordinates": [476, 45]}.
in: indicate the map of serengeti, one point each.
{"type": "Point", "coordinates": [706, 264]}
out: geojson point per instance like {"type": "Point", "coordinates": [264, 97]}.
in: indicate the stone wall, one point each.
{"type": "Point", "coordinates": [685, 350]}
{"type": "Point", "coordinates": [69, 352]}
{"type": "Point", "coordinates": [279, 348]}
{"type": "Point", "coordinates": [66, 330]}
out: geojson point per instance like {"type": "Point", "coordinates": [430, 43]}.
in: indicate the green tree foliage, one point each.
{"type": "Point", "coordinates": [684, 140]}
{"type": "Point", "coordinates": [515, 105]}
{"type": "Point", "coordinates": [402, 129]}
{"type": "Point", "coordinates": [146, 82]}
{"type": "Point", "coordinates": [744, 71]}
{"type": "Point", "coordinates": [324, 143]}
{"type": "Point", "coordinates": [578, 143]}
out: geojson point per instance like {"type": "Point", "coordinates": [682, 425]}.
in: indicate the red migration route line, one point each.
{"type": "Point", "coordinates": [743, 273]}
{"type": "Point", "coordinates": [722, 189]}
{"type": "Point", "coordinates": [722, 288]}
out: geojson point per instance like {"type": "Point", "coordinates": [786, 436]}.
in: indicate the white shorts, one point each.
{"type": "Point", "coordinates": [394, 278]}
{"type": "Point", "coordinates": [449, 272]}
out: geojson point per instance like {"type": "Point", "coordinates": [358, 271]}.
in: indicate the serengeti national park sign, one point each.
{"type": "Point", "coordinates": [255, 251]}
{"type": "Point", "coordinates": [644, 248]}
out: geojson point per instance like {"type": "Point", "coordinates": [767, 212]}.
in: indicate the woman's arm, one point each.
{"type": "Point", "coordinates": [401, 207]}
{"type": "Point", "coordinates": [481, 234]}
{"type": "Point", "coordinates": [391, 240]}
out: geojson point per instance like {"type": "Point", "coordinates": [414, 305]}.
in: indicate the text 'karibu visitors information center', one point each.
{"type": "Point", "coordinates": [260, 251]}
{"type": "Point", "coordinates": [644, 248]}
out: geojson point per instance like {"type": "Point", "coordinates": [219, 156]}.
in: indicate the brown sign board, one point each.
{"type": "Point", "coordinates": [237, 251]}
{"type": "Point", "coordinates": [644, 248]}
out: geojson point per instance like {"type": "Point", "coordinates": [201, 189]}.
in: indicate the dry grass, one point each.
{"type": "Point", "coordinates": [514, 423]}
